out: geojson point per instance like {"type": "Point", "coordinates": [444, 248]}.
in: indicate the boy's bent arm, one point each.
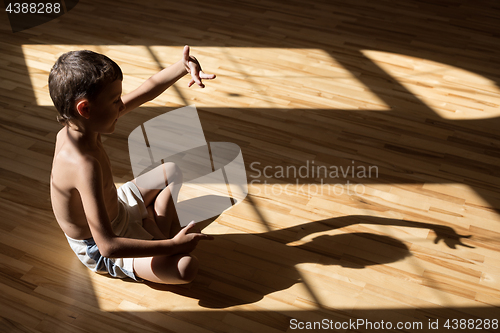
{"type": "Point", "coordinates": [162, 80]}
{"type": "Point", "coordinates": [154, 86]}
{"type": "Point", "coordinates": [89, 184]}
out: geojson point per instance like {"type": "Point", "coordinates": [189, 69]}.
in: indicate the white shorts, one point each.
{"type": "Point", "coordinates": [128, 223]}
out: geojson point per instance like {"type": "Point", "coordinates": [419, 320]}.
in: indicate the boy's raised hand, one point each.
{"type": "Point", "coordinates": [193, 67]}
{"type": "Point", "coordinates": [187, 239]}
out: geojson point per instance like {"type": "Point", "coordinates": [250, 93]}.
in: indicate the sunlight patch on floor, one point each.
{"type": "Point", "coordinates": [452, 92]}
{"type": "Point", "coordinates": [245, 77]}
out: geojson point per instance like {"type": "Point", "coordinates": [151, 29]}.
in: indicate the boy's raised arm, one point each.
{"type": "Point", "coordinates": [162, 80]}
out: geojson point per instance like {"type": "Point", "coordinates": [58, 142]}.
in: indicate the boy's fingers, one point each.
{"type": "Point", "coordinates": [197, 81]}
{"type": "Point", "coordinates": [205, 76]}
{"type": "Point", "coordinates": [201, 236]}
{"type": "Point", "coordinates": [192, 82]}
{"type": "Point", "coordinates": [185, 53]}
{"type": "Point", "coordinates": [195, 74]}
{"type": "Point", "coordinates": [190, 226]}
{"type": "Point", "coordinates": [194, 68]}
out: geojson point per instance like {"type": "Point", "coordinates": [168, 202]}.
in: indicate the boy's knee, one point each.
{"type": "Point", "coordinates": [188, 268]}
{"type": "Point", "coordinates": [174, 173]}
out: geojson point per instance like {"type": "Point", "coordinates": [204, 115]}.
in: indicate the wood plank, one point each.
{"type": "Point", "coordinates": [409, 87]}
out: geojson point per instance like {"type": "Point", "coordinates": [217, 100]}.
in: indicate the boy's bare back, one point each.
{"type": "Point", "coordinates": [70, 157]}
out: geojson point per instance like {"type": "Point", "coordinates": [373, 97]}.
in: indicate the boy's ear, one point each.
{"type": "Point", "coordinates": [83, 109]}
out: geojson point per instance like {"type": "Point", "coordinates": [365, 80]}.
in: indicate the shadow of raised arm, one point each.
{"type": "Point", "coordinates": [450, 237]}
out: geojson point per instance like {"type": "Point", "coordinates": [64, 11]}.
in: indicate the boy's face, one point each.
{"type": "Point", "coordinates": [106, 107]}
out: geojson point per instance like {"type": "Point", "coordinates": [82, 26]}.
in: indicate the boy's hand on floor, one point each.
{"type": "Point", "coordinates": [194, 68]}
{"type": "Point", "coordinates": [187, 239]}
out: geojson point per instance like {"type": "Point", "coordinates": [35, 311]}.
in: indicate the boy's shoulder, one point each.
{"type": "Point", "coordinates": [71, 161]}
{"type": "Point", "coordinates": [68, 151]}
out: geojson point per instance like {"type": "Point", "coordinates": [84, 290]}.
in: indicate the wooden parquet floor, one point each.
{"type": "Point", "coordinates": [408, 90]}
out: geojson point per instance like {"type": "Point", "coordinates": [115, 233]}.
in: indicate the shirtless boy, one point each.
{"type": "Point", "coordinates": [133, 231]}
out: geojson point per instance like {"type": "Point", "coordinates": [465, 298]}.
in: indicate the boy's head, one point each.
{"type": "Point", "coordinates": [79, 75]}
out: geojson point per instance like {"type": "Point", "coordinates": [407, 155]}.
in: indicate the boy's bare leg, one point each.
{"type": "Point", "coordinates": [177, 269]}
{"type": "Point", "coordinates": [151, 226]}
{"type": "Point", "coordinates": [165, 213]}
{"type": "Point", "coordinates": [160, 203]}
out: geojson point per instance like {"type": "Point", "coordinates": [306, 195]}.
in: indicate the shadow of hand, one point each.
{"type": "Point", "coordinates": [449, 236]}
